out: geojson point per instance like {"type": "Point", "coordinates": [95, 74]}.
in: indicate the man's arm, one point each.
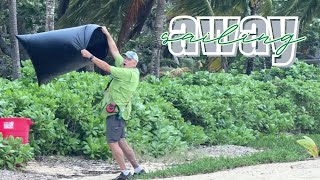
{"type": "Point", "coordinates": [112, 45]}
{"type": "Point", "coordinates": [101, 64]}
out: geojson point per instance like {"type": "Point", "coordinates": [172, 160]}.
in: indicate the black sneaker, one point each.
{"type": "Point", "coordinates": [123, 177]}
{"type": "Point", "coordinates": [139, 173]}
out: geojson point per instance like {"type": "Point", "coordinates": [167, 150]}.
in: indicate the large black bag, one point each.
{"type": "Point", "coordinates": [57, 52]}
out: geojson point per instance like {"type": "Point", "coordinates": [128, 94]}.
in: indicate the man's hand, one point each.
{"type": "Point", "coordinates": [85, 53]}
{"type": "Point", "coordinates": [112, 45]}
{"type": "Point", "coordinates": [101, 64]}
{"type": "Point", "coordinates": [105, 31]}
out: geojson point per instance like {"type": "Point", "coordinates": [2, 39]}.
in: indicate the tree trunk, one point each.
{"type": "Point", "coordinates": [225, 64]}
{"type": "Point", "coordinates": [155, 61]}
{"type": "Point", "coordinates": [22, 30]}
{"type": "Point", "coordinates": [14, 42]}
{"type": "Point", "coordinates": [144, 13]}
{"type": "Point", "coordinates": [50, 15]}
{"type": "Point", "coordinates": [253, 11]}
{"type": "Point", "coordinates": [176, 60]}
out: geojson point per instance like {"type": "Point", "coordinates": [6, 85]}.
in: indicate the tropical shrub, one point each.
{"type": "Point", "coordinates": [13, 154]}
{"type": "Point", "coordinates": [68, 122]}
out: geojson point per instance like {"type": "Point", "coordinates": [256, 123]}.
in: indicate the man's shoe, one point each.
{"type": "Point", "coordinates": [123, 177]}
{"type": "Point", "coordinates": [140, 173]}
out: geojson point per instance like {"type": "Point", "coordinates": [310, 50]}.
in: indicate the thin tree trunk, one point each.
{"type": "Point", "coordinates": [14, 42]}
{"type": "Point", "coordinates": [22, 30]}
{"type": "Point", "coordinates": [155, 61]}
{"type": "Point", "coordinates": [176, 60]}
{"type": "Point", "coordinates": [143, 15]}
{"type": "Point", "coordinates": [50, 15]}
{"type": "Point", "coordinates": [225, 64]}
{"type": "Point", "coordinates": [253, 11]}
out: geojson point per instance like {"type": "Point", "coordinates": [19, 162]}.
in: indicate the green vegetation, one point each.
{"type": "Point", "coordinates": [68, 122]}
{"type": "Point", "coordinates": [310, 145]}
{"type": "Point", "coordinates": [236, 108]}
{"type": "Point", "coordinates": [173, 113]}
{"type": "Point", "coordinates": [169, 114]}
{"type": "Point", "coordinates": [13, 154]}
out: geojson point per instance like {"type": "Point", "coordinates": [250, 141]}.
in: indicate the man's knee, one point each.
{"type": "Point", "coordinates": [114, 146]}
{"type": "Point", "coordinates": [123, 143]}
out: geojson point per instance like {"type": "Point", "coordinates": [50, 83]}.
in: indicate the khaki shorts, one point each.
{"type": "Point", "coordinates": [115, 129]}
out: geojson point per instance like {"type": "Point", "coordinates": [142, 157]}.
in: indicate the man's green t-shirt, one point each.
{"type": "Point", "coordinates": [123, 86]}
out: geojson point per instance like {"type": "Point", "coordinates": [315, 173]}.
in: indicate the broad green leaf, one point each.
{"type": "Point", "coordinates": [310, 145]}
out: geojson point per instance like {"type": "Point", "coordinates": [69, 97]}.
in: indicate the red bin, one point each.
{"type": "Point", "coordinates": [16, 127]}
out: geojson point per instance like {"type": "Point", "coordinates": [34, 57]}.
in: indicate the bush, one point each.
{"type": "Point", "coordinates": [13, 154]}
{"type": "Point", "coordinates": [169, 114]}
{"type": "Point", "coordinates": [68, 122]}
{"type": "Point", "coordinates": [300, 70]}
{"type": "Point", "coordinates": [157, 127]}
{"type": "Point", "coordinates": [231, 109]}
{"type": "Point", "coordinates": [236, 108]}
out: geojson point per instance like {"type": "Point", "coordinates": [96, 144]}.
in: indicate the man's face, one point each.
{"type": "Point", "coordinates": [129, 62]}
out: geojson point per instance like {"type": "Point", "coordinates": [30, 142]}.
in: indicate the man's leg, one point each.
{"type": "Point", "coordinates": [113, 133]}
{"type": "Point", "coordinates": [118, 155]}
{"type": "Point", "coordinates": [128, 152]}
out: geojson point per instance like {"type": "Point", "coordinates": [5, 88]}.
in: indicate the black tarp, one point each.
{"type": "Point", "coordinates": [54, 53]}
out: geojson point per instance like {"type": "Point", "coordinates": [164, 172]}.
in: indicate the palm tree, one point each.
{"type": "Point", "coordinates": [133, 13]}
{"type": "Point", "coordinates": [50, 6]}
{"type": "Point", "coordinates": [14, 42]}
{"type": "Point", "coordinates": [155, 61]}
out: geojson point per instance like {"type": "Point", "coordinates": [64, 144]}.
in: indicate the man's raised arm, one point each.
{"type": "Point", "coordinates": [112, 45]}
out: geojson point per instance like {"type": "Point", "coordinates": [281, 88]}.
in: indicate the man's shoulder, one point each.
{"type": "Point", "coordinates": [133, 70]}
{"type": "Point", "coordinates": [124, 73]}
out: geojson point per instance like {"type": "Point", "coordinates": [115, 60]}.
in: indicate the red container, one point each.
{"type": "Point", "coordinates": [17, 127]}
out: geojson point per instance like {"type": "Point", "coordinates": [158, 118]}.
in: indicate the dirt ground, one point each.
{"type": "Point", "coordinates": [78, 168]}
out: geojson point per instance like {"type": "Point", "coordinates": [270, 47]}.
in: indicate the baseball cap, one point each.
{"type": "Point", "coordinates": [132, 55]}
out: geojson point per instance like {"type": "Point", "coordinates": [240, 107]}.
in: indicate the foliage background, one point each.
{"type": "Point", "coordinates": [169, 114]}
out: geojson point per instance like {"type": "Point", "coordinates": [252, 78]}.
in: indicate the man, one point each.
{"type": "Point", "coordinates": [125, 79]}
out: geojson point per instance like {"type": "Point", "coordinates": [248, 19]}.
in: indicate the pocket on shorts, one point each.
{"type": "Point", "coordinates": [114, 129]}
{"type": "Point", "coordinates": [116, 133]}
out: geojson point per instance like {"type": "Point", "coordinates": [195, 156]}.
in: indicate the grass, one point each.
{"type": "Point", "coordinates": [281, 148]}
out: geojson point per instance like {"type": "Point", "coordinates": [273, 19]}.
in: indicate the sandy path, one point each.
{"type": "Point", "coordinates": [301, 170]}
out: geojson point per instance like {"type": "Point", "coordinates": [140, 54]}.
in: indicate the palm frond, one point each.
{"type": "Point", "coordinates": [294, 6]}
{"type": "Point", "coordinates": [311, 11]}
{"type": "Point", "coordinates": [191, 8]}
{"type": "Point", "coordinates": [210, 8]}
{"type": "Point", "coordinates": [62, 8]}
{"type": "Point", "coordinates": [265, 7]}
{"type": "Point", "coordinates": [72, 15]}
{"type": "Point", "coordinates": [142, 17]}
{"type": "Point", "coordinates": [305, 9]}
{"type": "Point", "coordinates": [129, 20]}
{"type": "Point", "coordinates": [230, 8]}
{"type": "Point", "coordinates": [93, 11]}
